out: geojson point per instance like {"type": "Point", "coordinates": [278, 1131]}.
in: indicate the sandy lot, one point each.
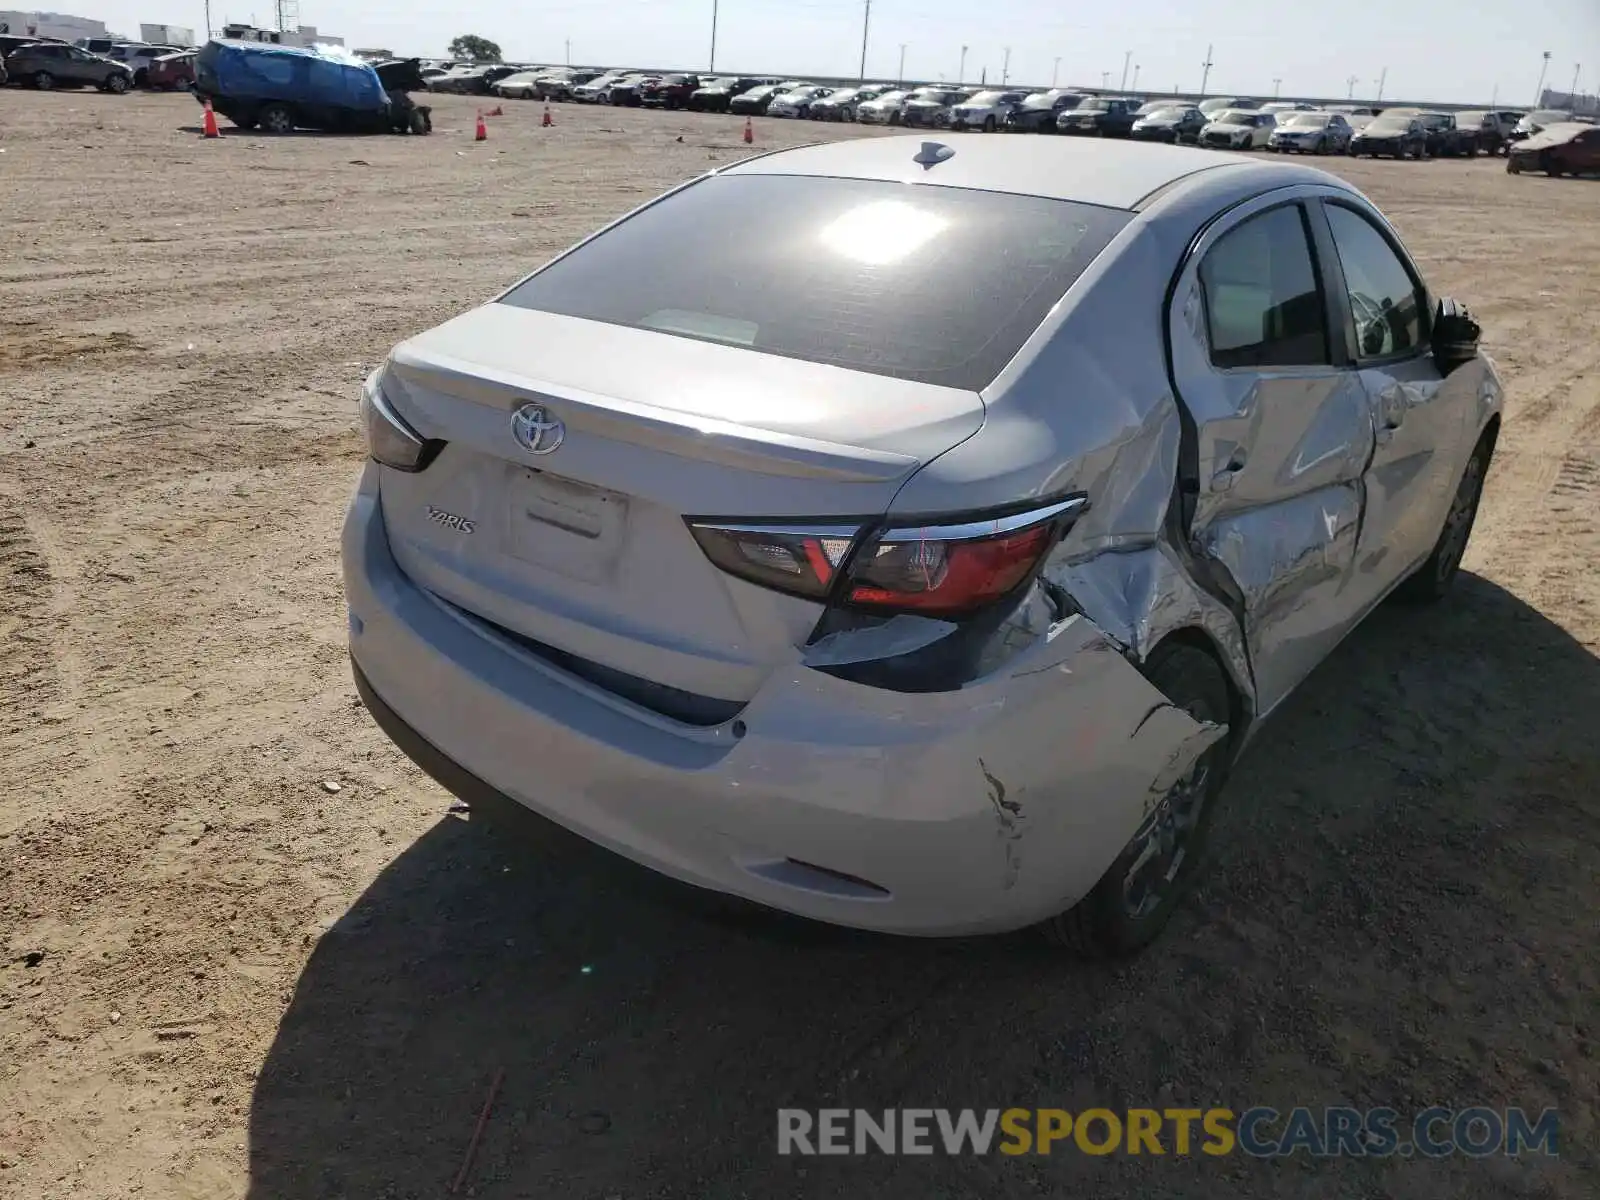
{"type": "Point", "coordinates": [219, 979]}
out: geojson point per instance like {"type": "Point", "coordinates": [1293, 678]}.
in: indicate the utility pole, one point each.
{"type": "Point", "coordinates": [961, 72]}
{"type": "Point", "coordinates": [1126, 59]}
{"type": "Point", "coordinates": [713, 64]}
{"type": "Point", "coordinates": [866, 23]}
{"type": "Point", "coordinates": [1383, 77]}
{"type": "Point", "coordinates": [1538, 92]}
{"type": "Point", "coordinates": [901, 78]}
{"type": "Point", "coordinates": [1351, 94]}
{"type": "Point", "coordinates": [1005, 70]}
{"type": "Point", "coordinates": [1055, 72]}
{"type": "Point", "coordinates": [1206, 73]}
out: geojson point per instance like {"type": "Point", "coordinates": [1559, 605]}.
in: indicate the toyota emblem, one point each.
{"type": "Point", "coordinates": [536, 430]}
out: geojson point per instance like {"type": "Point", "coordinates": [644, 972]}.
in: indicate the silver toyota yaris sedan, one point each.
{"type": "Point", "coordinates": [910, 536]}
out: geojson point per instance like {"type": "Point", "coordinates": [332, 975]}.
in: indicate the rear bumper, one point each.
{"type": "Point", "coordinates": [980, 810]}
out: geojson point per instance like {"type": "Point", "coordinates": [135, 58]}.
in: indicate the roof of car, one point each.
{"type": "Point", "coordinates": [1112, 174]}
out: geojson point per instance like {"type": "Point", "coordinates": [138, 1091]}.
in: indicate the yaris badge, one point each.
{"type": "Point", "coordinates": [536, 430]}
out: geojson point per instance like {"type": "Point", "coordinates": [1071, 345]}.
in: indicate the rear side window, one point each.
{"type": "Point", "coordinates": [1263, 305]}
{"type": "Point", "coordinates": [1387, 303]}
{"type": "Point", "coordinates": [933, 284]}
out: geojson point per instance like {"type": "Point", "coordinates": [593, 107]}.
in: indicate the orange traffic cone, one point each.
{"type": "Point", "coordinates": [548, 121]}
{"type": "Point", "coordinates": [749, 133]}
{"type": "Point", "coordinates": [210, 122]}
{"type": "Point", "coordinates": [481, 134]}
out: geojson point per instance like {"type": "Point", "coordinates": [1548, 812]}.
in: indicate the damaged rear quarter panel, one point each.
{"type": "Point", "coordinates": [1032, 778]}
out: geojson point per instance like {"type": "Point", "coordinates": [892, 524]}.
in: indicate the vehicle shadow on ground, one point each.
{"type": "Point", "coordinates": [1388, 922]}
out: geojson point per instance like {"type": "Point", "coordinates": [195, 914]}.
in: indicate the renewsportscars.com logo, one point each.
{"type": "Point", "coordinates": [1259, 1132]}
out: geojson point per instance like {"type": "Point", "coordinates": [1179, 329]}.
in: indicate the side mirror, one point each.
{"type": "Point", "coordinates": [1455, 336]}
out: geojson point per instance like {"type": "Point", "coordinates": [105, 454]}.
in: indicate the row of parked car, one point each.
{"type": "Point", "coordinates": [1231, 122]}
{"type": "Point", "coordinates": [111, 66]}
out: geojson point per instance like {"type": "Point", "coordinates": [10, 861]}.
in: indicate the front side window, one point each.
{"type": "Point", "coordinates": [1263, 305]}
{"type": "Point", "coordinates": [1386, 301]}
{"type": "Point", "coordinates": [935, 284]}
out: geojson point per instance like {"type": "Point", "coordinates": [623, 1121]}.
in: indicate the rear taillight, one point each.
{"type": "Point", "coordinates": [947, 569]}
{"type": "Point", "coordinates": [390, 440]}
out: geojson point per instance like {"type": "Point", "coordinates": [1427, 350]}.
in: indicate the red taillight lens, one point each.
{"type": "Point", "coordinates": [936, 570]}
{"type": "Point", "coordinates": [789, 559]}
{"type": "Point", "coordinates": [918, 570]}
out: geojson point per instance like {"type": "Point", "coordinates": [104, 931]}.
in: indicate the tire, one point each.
{"type": "Point", "coordinates": [988, 124]}
{"type": "Point", "coordinates": [1321, 147]}
{"type": "Point", "coordinates": [116, 84]}
{"type": "Point", "coordinates": [1120, 917]}
{"type": "Point", "coordinates": [1433, 578]}
{"type": "Point", "coordinates": [275, 118]}
{"type": "Point", "coordinates": [141, 78]}
{"type": "Point", "coordinates": [43, 80]}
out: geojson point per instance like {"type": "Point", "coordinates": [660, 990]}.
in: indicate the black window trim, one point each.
{"type": "Point", "coordinates": [1340, 287]}
{"type": "Point", "coordinates": [1339, 358]}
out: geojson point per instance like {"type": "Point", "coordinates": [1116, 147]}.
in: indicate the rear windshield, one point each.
{"type": "Point", "coordinates": [933, 284]}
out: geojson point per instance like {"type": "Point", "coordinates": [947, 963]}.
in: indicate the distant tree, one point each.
{"type": "Point", "coordinates": [470, 45]}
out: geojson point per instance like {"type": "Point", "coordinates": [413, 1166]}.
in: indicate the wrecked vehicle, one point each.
{"type": "Point", "coordinates": [280, 88]}
{"type": "Point", "coordinates": [949, 619]}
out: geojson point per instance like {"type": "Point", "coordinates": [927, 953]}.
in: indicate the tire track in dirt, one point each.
{"type": "Point", "coordinates": [27, 677]}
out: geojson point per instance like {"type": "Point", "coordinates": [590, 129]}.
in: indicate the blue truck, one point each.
{"type": "Point", "coordinates": [277, 89]}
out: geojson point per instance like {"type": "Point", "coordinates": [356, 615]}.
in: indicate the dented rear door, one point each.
{"type": "Point", "coordinates": [1281, 435]}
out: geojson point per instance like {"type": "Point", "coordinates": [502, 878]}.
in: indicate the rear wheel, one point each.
{"type": "Point", "coordinates": [1434, 577]}
{"type": "Point", "coordinates": [43, 80]}
{"type": "Point", "coordinates": [117, 84]}
{"type": "Point", "coordinates": [276, 118]}
{"type": "Point", "coordinates": [988, 124]}
{"type": "Point", "coordinates": [1138, 894]}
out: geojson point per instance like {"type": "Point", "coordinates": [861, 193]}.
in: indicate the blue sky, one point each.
{"type": "Point", "coordinates": [1448, 50]}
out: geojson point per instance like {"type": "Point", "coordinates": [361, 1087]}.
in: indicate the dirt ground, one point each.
{"type": "Point", "coordinates": [219, 978]}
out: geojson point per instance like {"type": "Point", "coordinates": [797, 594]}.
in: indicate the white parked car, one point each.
{"type": "Point", "coordinates": [885, 110]}
{"type": "Point", "coordinates": [778, 538]}
{"type": "Point", "coordinates": [1238, 129]}
{"type": "Point", "coordinates": [843, 104]}
{"type": "Point", "coordinates": [796, 102]}
{"type": "Point", "coordinates": [986, 110]}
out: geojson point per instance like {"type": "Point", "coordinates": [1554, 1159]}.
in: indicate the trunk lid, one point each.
{"type": "Point", "coordinates": [584, 549]}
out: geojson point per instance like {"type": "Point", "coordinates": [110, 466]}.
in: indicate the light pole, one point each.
{"type": "Point", "coordinates": [1572, 92]}
{"type": "Point", "coordinates": [1383, 77]}
{"type": "Point", "coordinates": [1005, 68]}
{"type": "Point", "coordinates": [713, 64]}
{"type": "Point", "coordinates": [1126, 59]}
{"type": "Point", "coordinates": [1538, 92]}
{"type": "Point", "coordinates": [1276, 84]}
{"type": "Point", "coordinates": [961, 72]}
{"type": "Point", "coordinates": [1205, 73]}
{"type": "Point", "coordinates": [901, 78]}
{"type": "Point", "coordinates": [569, 52]}
{"type": "Point", "coordinates": [1494, 101]}
{"type": "Point", "coordinates": [1055, 72]}
{"type": "Point", "coordinates": [866, 23]}
{"type": "Point", "coordinates": [1351, 94]}
{"type": "Point", "coordinates": [1105, 80]}
{"type": "Point", "coordinates": [1136, 77]}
